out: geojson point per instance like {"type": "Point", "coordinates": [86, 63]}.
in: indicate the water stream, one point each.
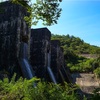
{"type": "Point", "coordinates": [67, 74]}
{"type": "Point", "coordinates": [29, 70]}
{"type": "Point", "coordinates": [24, 50]}
{"type": "Point", "coordinates": [61, 75]}
{"type": "Point", "coordinates": [25, 66]}
{"type": "Point", "coordinates": [50, 71]}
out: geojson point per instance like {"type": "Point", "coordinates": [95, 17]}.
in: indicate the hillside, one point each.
{"type": "Point", "coordinates": [75, 54]}
{"type": "Point", "coordinates": [76, 45]}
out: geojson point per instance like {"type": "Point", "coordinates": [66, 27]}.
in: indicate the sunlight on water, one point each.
{"type": "Point", "coordinates": [50, 71]}
{"type": "Point", "coordinates": [28, 68]}
{"type": "Point", "coordinates": [25, 66]}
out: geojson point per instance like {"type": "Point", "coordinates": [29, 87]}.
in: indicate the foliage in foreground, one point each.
{"type": "Point", "coordinates": [35, 89]}
{"type": "Point", "coordinates": [24, 89]}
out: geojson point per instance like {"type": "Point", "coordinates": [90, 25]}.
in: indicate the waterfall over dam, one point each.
{"type": "Point", "coordinates": [50, 71]}
{"type": "Point", "coordinates": [24, 63]}
{"type": "Point", "coordinates": [25, 51]}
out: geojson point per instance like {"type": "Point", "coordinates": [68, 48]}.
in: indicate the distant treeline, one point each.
{"type": "Point", "coordinates": [76, 45]}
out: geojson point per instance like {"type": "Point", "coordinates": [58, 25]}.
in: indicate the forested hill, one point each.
{"type": "Point", "coordinates": [75, 44]}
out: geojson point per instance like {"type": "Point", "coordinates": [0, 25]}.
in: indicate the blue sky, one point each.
{"type": "Point", "coordinates": [80, 18]}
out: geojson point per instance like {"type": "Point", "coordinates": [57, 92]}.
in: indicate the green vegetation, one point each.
{"type": "Point", "coordinates": [46, 10]}
{"type": "Point", "coordinates": [96, 95]}
{"type": "Point", "coordinates": [23, 89]}
{"type": "Point", "coordinates": [86, 65]}
{"type": "Point", "coordinates": [83, 66]}
{"type": "Point", "coordinates": [97, 72]}
{"type": "Point", "coordinates": [73, 47]}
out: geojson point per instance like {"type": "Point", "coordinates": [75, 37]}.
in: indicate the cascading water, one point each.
{"type": "Point", "coordinates": [23, 61]}
{"type": "Point", "coordinates": [50, 71]}
{"type": "Point", "coordinates": [24, 50]}
{"type": "Point", "coordinates": [28, 69]}
{"type": "Point", "coordinates": [67, 74]}
{"type": "Point", "coordinates": [61, 75]}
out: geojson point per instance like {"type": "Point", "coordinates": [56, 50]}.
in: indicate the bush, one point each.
{"type": "Point", "coordinates": [85, 65]}
{"type": "Point", "coordinates": [96, 94]}
{"type": "Point", "coordinates": [23, 89]}
{"type": "Point", "coordinates": [97, 72]}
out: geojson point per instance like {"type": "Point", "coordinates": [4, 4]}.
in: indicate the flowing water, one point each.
{"type": "Point", "coordinates": [66, 75]}
{"type": "Point", "coordinates": [28, 68]}
{"type": "Point", "coordinates": [24, 50]}
{"type": "Point", "coordinates": [62, 77]}
{"type": "Point", "coordinates": [51, 75]}
{"type": "Point", "coordinates": [50, 71]}
{"type": "Point", "coordinates": [25, 66]}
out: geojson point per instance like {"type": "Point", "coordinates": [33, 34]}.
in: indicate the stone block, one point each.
{"type": "Point", "coordinates": [39, 48]}
{"type": "Point", "coordinates": [57, 62]}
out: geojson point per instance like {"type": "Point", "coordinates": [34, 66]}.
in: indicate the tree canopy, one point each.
{"type": "Point", "coordinates": [46, 10]}
{"type": "Point", "coordinates": [76, 45]}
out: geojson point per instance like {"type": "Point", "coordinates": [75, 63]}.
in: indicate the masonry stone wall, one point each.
{"type": "Point", "coordinates": [57, 60]}
{"type": "Point", "coordinates": [60, 71]}
{"type": "Point", "coordinates": [13, 29]}
{"type": "Point", "coordinates": [54, 55]}
{"type": "Point", "coordinates": [39, 48]}
{"type": "Point", "coordinates": [45, 56]}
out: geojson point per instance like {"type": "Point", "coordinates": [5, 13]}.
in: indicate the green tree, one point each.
{"type": "Point", "coordinates": [46, 10]}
